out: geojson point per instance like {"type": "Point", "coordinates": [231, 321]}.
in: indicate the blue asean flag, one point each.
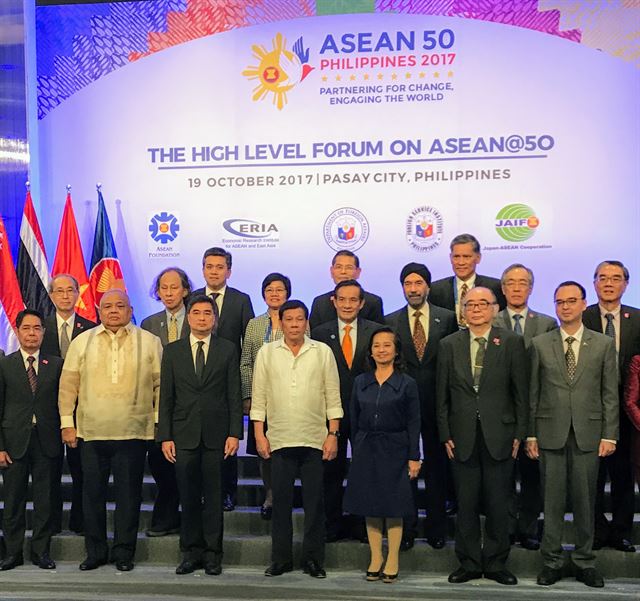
{"type": "Point", "coordinates": [106, 273]}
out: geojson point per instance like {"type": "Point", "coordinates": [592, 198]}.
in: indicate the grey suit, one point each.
{"type": "Point", "coordinates": [157, 324]}
{"type": "Point", "coordinates": [535, 324]}
{"type": "Point", "coordinates": [525, 508]}
{"type": "Point", "coordinates": [569, 419]}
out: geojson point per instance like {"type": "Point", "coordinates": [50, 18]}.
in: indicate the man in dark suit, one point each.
{"type": "Point", "coordinates": [60, 329]}
{"type": "Point", "coordinates": [420, 327]}
{"type": "Point", "coordinates": [622, 323]}
{"type": "Point", "coordinates": [29, 441]}
{"type": "Point", "coordinates": [233, 311]}
{"type": "Point", "coordinates": [482, 412]}
{"type": "Point", "coordinates": [517, 285]}
{"type": "Point", "coordinates": [450, 292]}
{"type": "Point", "coordinates": [172, 287]}
{"type": "Point", "coordinates": [573, 421]}
{"type": "Point", "coordinates": [200, 426]}
{"type": "Point", "coordinates": [348, 337]}
{"type": "Point", "coordinates": [345, 265]}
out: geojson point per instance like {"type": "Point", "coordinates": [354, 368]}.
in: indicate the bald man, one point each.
{"type": "Point", "coordinates": [112, 375]}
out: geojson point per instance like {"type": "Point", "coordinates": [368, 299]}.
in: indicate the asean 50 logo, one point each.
{"type": "Point", "coordinates": [516, 222]}
{"type": "Point", "coordinates": [279, 70]}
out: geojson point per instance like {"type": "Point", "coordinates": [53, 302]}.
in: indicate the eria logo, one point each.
{"type": "Point", "coordinates": [247, 228]}
{"type": "Point", "coordinates": [516, 222]}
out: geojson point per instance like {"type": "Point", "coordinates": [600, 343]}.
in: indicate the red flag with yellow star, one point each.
{"type": "Point", "coordinates": [69, 259]}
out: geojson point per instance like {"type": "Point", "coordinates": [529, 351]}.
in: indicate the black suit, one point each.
{"type": "Point", "coordinates": [199, 415]}
{"type": "Point", "coordinates": [33, 448]}
{"type": "Point", "coordinates": [442, 291]}
{"type": "Point", "coordinates": [236, 312]}
{"type": "Point", "coordinates": [51, 346]}
{"type": "Point", "coordinates": [165, 515]}
{"type": "Point", "coordinates": [441, 323]}
{"type": "Point", "coordinates": [482, 425]}
{"type": "Point", "coordinates": [323, 310]}
{"type": "Point", "coordinates": [618, 465]}
{"type": "Point", "coordinates": [335, 471]}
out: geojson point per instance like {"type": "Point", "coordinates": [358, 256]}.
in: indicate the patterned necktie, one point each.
{"type": "Point", "coordinates": [610, 328]}
{"type": "Point", "coordinates": [570, 359]}
{"type": "Point", "coordinates": [200, 359]}
{"type": "Point", "coordinates": [31, 374]}
{"type": "Point", "coordinates": [64, 340]}
{"type": "Point", "coordinates": [463, 292]}
{"type": "Point", "coordinates": [517, 328]}
{"type": "Point", "coordinates": [347, 346]}
{"type": "Point", "coordinates": [172, 330]}
{"type": "Point", "coordinates": [419, 337]}
{"type": "Point", "coordinates": [216, 311]}
{"type": "Point", "coordinates": [477, 366]}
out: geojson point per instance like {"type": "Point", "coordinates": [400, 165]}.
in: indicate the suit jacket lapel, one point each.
{"type": "Point", "coordinates": [490, 355]}
{"type": "Point", "coordinates": [463, 350]}
{"type": "Point", "coordinates": [22, 370]}
{"type": "Point", "coordinates": [558, 350]}
{"type": "Point", "coordinates": [336, 347]}
{"type": "Point", "coordinates": [404, 331]}
{"type": "Point", "coordinates": [163, 329]}
{"type": "Point", "coordinates": [435, 327]}
{"type": "Point", "coordinates": [584, 354]}
{"type": "Point", "coordinates": [507, 320]}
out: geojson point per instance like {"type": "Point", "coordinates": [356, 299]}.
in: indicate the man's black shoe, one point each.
{"type": "Point", "coordinates": [407, 543]}
{"type": "Point", "coordinates": [43, 561]}
{"type": "Point", "coordinates": [530, 544]}
{"type": "Point", "coordinates": [161, 531]}
{"type": "Point", "coordinates": [549, 576]}
{"type": "Point", "coordinates": [228, 504]}
{"type": "Point", "coordinates": [598, 544]}
{"type": "Point", "coordinates": [451, 508]}
{"type": "Point", "coordinates": [501, 577]}
{"type": "Point", "coordinates": [91, 564]}
{"type": "Point", "coordinates": [622, 544]}
{"type": "Point", "coordinates": [10, 562]}
{"type": "Point", "coordinates": [314, 569]}
{"type": "Point", "coordinates": [213, 568]}
{"type": "Point", "coordinates": [590, 577]}
{"type": "Point", "coordinates": [187, 566]}
{"type": "Point", "coordinates": [436, 542]}
{"type": "Point", "coordinates": [277, 569]}
{"type": "Point", "coordinates": [124, 565]}
{"type": "Point", "coordinates": [461, 575]}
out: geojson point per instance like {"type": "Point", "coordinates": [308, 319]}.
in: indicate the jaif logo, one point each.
{"type": "Point", "coordinates": [516, 222]}
{"type": "Point", "coordinates": [279, 70]}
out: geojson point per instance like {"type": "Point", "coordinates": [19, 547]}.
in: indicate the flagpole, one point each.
{"type": "Point", "coordinates": [27, 185]}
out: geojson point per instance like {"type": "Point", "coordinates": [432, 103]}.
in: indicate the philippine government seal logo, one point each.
{"type": "Point", "coordinates": [164, 227]}
{"type": "Point", "coordinates": [346, 229]}
{"type": "Point", "coordinates": [516, 222]}
{"type": "Point", "coordinates": [424, 229]}
{"type": "Point", "coordinates": [279, 70]}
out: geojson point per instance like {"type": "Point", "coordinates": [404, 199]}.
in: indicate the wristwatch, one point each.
{"type": "Point", "coordinates": [335, 433]}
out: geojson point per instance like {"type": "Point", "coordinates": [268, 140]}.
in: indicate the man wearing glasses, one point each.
{"type": "Point", "coordinates": [517, 285]}
{"type": "Point", "coordinates": [345, 265]}
{"type": "Point", "coordinates": [622, 323]}
{"type": "Point", "coordinates": [482, 411]}
{"type": "Point", "coordinates": [573, 421]}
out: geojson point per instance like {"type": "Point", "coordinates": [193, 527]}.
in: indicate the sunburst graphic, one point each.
{"type": "Point", "coordinates": [278, 70]}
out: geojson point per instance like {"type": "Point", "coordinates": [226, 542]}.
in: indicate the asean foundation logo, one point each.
{"type": "Point", "coordinates": [516, 222]}
{"type": "Point", "coordinates": [164, 227]}
{"type": "Point", "coordinates": [278, 70]}
{"type": "Point", "coordinates": [424, 229]}
{"type": "Point", "coordinates": [346, 229]}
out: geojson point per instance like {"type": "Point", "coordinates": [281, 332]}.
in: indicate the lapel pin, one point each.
{"type": "Point", "coordinates": [333, 336]}
{"type": "Point", "coordinates": [437, 320]}
{"type": "Point", "coordinates": [45, 362]}
{"type": "Point", "coordinates": [626, 316]}
{"type": "Point", "coordinates": [496, 341]}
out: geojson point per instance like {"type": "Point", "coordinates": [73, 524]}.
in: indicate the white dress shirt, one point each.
{"type": "Point", "coordinates": [220, 298]}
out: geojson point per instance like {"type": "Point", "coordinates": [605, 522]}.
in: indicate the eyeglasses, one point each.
{"type": "Point", "coordinates": [569, 302]}
{"type": "Point", "coordinates": [63, 291]}
{"type": "Point", "coordinates": [614, 279]}
{"type": "Point", "coordinates": [347, 268]}
{"type": "Point", "coordinates": [274, 290]}
{"type": "Point", "coordinates": [481, 304]}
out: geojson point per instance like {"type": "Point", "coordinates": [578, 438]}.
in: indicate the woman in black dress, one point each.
{"type": "Point", "coordinates": [385, 431]}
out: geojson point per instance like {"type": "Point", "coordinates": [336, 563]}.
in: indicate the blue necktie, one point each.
{"type": "Point", "coordinates": [517, 328]}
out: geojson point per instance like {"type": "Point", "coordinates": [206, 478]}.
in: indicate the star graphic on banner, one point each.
{"type": "Point", "coordinates": [338, 78]}
{"type": "Point", "coordinates": [450, 74]}
{"type": "Point", "coordinates": [407, 76]}
{"type": "Point", "coordinates": [324, 78]}
{"type": "Point", "coordinates": [380, 76]}
{"type": "Point", "coordinates": [366, 77]}
{"type": "Point", "coordinates": [436, 75]}
{"type": "Point", "coordinates": [394, 76]}
{"type": "Point", "coordinates": [421, 74]}
{"type": "Point", "coordinates": [352, 77]}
